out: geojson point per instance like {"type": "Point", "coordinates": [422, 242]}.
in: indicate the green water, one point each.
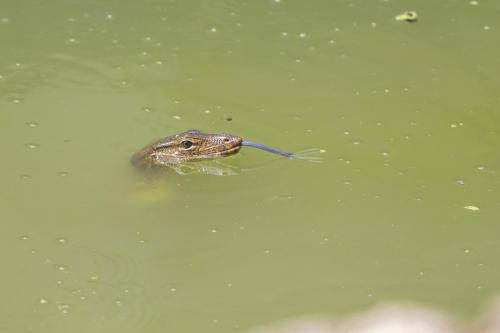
{"type": "Point", "coordinates": [407, 115]}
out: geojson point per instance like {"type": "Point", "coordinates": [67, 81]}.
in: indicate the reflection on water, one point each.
{"type": "Point", "coordinates": [214, 168]}
{"type": "Point", "coordinates": [225, 168]}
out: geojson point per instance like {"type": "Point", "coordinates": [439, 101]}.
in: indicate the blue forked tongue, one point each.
{"type": "Point", "coordinates": [269, 149]}
{"type": "Point", "coordinates": [299, 156]}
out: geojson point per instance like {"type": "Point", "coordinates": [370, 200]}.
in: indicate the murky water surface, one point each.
{"type": "Point", "coordinates": [404, 206]}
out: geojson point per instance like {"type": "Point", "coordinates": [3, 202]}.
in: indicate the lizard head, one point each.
{"type": "Point", "coordinates": [187, 146]}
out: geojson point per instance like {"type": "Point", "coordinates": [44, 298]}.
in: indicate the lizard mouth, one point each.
{"type": "Point", "coordinates": [231, 145]}
{"type": "Point", "coordinates": [232, 150]}
{"type": "Point", "coordinates": [225, 145]}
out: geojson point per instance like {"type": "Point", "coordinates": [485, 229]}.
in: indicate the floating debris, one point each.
{"type": "Point", "coordinates": [456, 125]}
{"type": "Point", "coordinates": [32, 145]}
{"type": "Point", "coordinates": [409, 16]}
{"type": "Point", "coordinates": [473, 208]}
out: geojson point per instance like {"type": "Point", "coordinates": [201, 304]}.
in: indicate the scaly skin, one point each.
{"type": "Point", "coordinates": [184, 147]}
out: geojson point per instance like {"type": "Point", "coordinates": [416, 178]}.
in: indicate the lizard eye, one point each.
{"type": "Point", "coordinates": [186, 144]}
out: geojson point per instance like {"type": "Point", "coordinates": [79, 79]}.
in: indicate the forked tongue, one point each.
{"type": "Point", "coordinates": [305, 155]}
